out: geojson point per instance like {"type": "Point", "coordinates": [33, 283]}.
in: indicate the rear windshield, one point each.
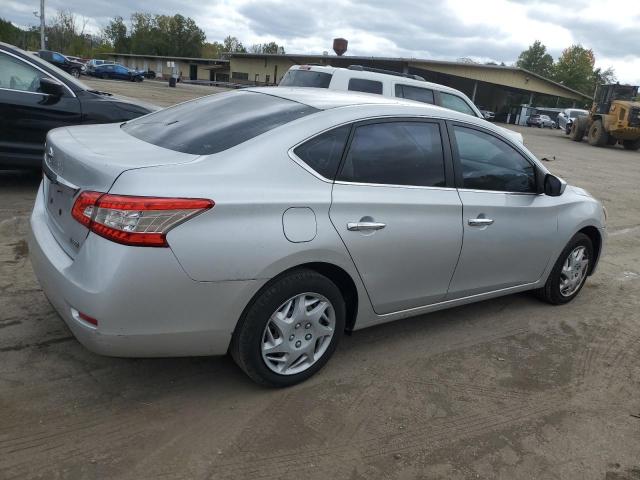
{"type": "Point", "coordinates": [305, 78]}
{"type": "Point", "coordinates": [217, 122]}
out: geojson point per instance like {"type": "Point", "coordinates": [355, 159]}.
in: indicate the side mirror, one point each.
{"type": "Point", "coordinates": [553, 186]}
{"type": "Point", "coordinates": [51, 87]}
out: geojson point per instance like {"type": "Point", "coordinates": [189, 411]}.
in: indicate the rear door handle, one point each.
{"type": "Point", "coordinates": [365, 226]}
{"type": "Point", "coordinates": [480, 222]}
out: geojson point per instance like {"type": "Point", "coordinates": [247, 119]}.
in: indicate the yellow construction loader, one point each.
{"type": "Point", "coordinates": [614, 117]}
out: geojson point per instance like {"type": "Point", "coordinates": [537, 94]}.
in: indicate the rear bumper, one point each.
{"type": "Point", "coordinates": [145, 304]}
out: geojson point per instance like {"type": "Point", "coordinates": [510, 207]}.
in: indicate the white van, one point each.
{"type": "Point", "coordinates": [357, 78]}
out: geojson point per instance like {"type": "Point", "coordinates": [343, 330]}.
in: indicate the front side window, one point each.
{"type": "Point", "coordinates": [366, 86]}
{"type": "Point", "coordinates": [17, 75]}
{"type": "Point", "coordinates": [323, 153]}
{"type": "Point", "coordinates": [306, 78]}
{"type": "Point", "coordinates": [453, 102]}
{"type": "Point", "coordinates": [396, 153]}
{"type": "Point", "coordinates": [215, 123]}
{"type": "Point", "coordinates": [488, 163]}
{"type": "Point", "coordinates": [417, 94]}
{"type": "Point", "coordinates": [58, 58]}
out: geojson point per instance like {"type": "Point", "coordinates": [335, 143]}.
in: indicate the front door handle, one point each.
{"type": "Point", "coordinates": [365, 226]}
{"type": "Point", "coordinates": [480, 222]}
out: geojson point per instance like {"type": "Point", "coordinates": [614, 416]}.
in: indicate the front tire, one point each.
{"type": "Point", "coordinates": [578, 128]}
{"type": "Point", "coordinates": [569, 272]}
{"type": "Point", "coordinates": [75, 72]}
{"type": "Point", "coordinates": [291, 329]}
{"type": "Point", "coordinates": [598, 136]}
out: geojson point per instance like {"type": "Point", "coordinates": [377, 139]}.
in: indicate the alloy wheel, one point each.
{"type": "Point", "coordinates": [574, 271]}
{"type": "Point", "coordinates": [298, 333]}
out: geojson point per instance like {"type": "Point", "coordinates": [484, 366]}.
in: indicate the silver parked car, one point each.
{"type": "Point", "coordinates": [266, 222]}
{"type": "Point", "coordinates": [567, 116]}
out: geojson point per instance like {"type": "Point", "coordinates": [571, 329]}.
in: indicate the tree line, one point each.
{"type": "Point", "coordinates": [180, 36]}
{"type": "Point", "coordinates": [144, 33]}
{"type": "Point", "coordinates": [575, 68]}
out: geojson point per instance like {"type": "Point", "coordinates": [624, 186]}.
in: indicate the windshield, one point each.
{"type": "Point", "coordinates": [217, 122]}
{"type": "Point", "coordinates": [305, 78]}
{"type": "Point", "coordinates": [624, 92]}
{"type": "Point", "coordinates": [61, 73]}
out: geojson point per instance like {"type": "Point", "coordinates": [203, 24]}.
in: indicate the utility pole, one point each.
{"type": "Point", "coordinates": [42, 45]}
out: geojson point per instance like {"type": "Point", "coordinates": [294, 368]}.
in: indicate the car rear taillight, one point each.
{"type": "Point", "coordinates": [137, 221]}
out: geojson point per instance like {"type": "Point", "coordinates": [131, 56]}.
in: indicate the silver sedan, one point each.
{"type": "Point", "coordinates": [267, 222]}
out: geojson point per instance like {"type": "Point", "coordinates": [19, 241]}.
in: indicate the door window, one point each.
{"type": "Point", "coordinates": [58, 58]}
{"type": "Point", "coordinates": [366, 86]}
{"type": "Point", "coordinates": [490, 164]}
{"type": "Point", "coordinates": [17, 75]}
{"type": "Point", "coordinates": [424, 95]}
{"type": "Point", "coordinates": [396, 153]}
{"type": "Point", "coordinates": [323, 153]}
{"type": "Point", "coordinates": [453, 102]}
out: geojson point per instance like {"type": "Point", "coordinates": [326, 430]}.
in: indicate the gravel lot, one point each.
{"type": "Point", "coordinates": [153, 91]}
{"type": "Point", "coordinates": [509, 388]}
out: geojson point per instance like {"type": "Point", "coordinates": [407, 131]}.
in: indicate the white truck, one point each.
{"type": "Point", "coordinates": [357, 78]}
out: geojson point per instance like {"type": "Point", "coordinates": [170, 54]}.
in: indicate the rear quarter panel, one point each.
{"type": "Point", "coordinates": [252, 185]}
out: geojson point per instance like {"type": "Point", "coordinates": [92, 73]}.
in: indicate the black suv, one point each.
{"type": "Point", "coordinates": [35, 97]}
{"type": "Point", "coordinates": [62, 62]}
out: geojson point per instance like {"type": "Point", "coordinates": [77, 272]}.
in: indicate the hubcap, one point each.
{"type": "Point", "coordinates": [287, 348]}
{"type": "Point", "coordinates": [574, 271]}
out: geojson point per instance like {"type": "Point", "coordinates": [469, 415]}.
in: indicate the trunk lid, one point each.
{"type": "Point", "coordinates": [91, 158]}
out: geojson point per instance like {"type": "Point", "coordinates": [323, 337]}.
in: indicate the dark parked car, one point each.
{"type": "Point", "coordinates": [35, 97]}
{"type": "Point", "coordinates": [542, 121]}
{"type": "Point", "coordinates": [62, 62]}
{"type": "Point", "coordinates": [117, 72]}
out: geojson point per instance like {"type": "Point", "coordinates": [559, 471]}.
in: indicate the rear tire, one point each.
{"type": "Point", "coordinates": [631, 144]}
{"type": "Point", "coordinates": [578, 128]}
{"type": "Point", "coordinates": [598, 136]}
{"type": "Point", "coordinates": [293, 333]}
{"type": "Point", "coordinates": [564, 283]}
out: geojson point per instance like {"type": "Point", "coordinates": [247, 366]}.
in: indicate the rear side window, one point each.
{"type": "Point", "coordinates": [396, 153]}
{"type": "Point", "coordinates": [323, 153]}
{"type": "Point", "coordinates": [306, 78]}
{"type": "Point", "coordinates": [217, 122]}
{"type": "Point", "coordinates": [453, 102]}
{"type": "Point", "coordinates": [417, 94]}
{"type": "Point", "coordinates": [366, 86]}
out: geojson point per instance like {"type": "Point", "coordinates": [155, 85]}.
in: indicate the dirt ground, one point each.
{"type": "Point", "coordinates": [504, 389]}
{"type": "Point", "coordinates": [156, 92]}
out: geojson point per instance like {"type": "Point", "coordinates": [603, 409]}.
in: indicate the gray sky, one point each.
{"type": "Point", "coordinates": [483, 30]}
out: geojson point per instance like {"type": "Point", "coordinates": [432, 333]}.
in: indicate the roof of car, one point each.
{"type": "Point", "coordinates": [378, 75]}
{"type": "Point", "coordinates": [324, 99]}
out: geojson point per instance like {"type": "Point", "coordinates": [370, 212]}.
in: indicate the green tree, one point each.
{"type": "Point", "coordinates": [536, 59]}
{"type": "Point", "coordinates": [574, 69]}
{"type": "Point", "coordinates": [601, 77]}
{"type": "Point", "coordinates": [116, 34]}
{"type": "Point", "coordinates": [212, 50]}
{"type": "Point", "coordinates": [271, 47]}
{"type": "Point", "coordinates": [233, 45]}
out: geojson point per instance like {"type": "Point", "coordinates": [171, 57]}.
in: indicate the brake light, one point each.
{"type": "Point", "coordinates": [137, 221]}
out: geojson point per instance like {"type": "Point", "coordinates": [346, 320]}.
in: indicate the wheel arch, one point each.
{"type": "Point", "coordinates": [596, 240]}
{"type": "Point", "coordinates": [333, 272]}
